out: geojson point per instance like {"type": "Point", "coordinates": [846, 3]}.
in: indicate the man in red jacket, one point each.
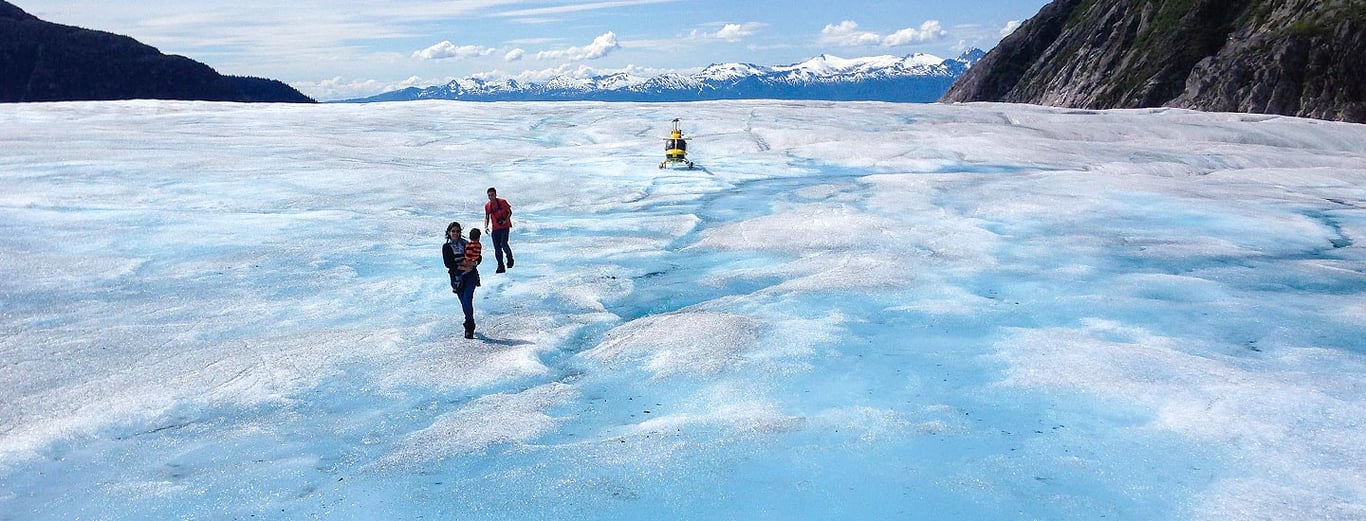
{"type": "Point", "coordinates": [499, 212]}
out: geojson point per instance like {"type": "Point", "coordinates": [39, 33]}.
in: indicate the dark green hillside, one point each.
{"type": "Point", "coordinates": [42, 61]}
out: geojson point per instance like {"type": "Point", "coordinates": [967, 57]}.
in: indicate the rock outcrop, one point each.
{"type": "Point", "coordinates": [1293, 57]}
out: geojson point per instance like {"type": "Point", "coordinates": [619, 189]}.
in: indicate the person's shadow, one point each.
{"type": "Point", "coordinates": [501, 341]}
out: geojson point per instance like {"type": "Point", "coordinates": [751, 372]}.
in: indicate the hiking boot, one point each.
{"type": "Point", "coordinates": [509, 260]}
{"type": "Point", "coordinates": [469, 330]}
{"type": "Point", "coordinates": [501, 269]}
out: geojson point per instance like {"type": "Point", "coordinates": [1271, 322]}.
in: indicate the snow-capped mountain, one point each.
{"type": "Point", "coordinates": [827, 68]}
{"type": "Point", "coordinates": [916, 78]}
{"type": "Point", "coordinates": [731, 71]}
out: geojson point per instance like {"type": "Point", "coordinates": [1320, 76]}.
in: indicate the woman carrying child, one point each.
{"type": "Point", "coordinates": [462, 259]}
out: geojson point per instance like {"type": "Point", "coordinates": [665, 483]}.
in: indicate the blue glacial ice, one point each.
{"type": "Point", "coordinates": [848, 311]}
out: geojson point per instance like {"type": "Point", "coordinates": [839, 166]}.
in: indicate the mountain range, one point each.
{"type": "Point", "coordinates": [912, 78]}
{"type": "Point", "coordinates": [44, 61]}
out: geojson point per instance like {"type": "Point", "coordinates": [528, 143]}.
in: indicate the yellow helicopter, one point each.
{"type": "Point", "coordinates": [676, 148]}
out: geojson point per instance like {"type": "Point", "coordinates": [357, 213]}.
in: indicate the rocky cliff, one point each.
{"type": "Point", "coordinates": [1293, 57]}
{"type": "Point", "coordinates": [43, 61]}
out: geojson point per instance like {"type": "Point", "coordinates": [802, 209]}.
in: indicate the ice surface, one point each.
{"type": "Point", "coordinates": [849, 311]}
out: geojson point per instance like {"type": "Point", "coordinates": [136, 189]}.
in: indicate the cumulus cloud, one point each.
{"type": "Point", "coordinates": [1010, 27]}
{"type": "Point", "coordinates": [601, 46]}
{"type": "Point", "coordinates": [731, 32]}
{"type": "Point", "coordinates": [338, 88]}
{"type": "Point", "coordinates": [928, 31]}
{"type": "Point", "coordinates": [514, 55]}
{"type": "Point", "coordinates": [848, 34]}
{"type": "Point", "coordinates": [447, 50]}
{"type": "Point", "coordinates": [736, 32]}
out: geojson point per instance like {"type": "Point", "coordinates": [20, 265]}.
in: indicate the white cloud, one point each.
{"type": "Point", "coordinates": [928, 31]}
{"type": "Point", "coordinates": [1010, 27]}
{"type": "Point", "coordinates": [447, 50]}
{"type": "Point", "coordinates": [601, 46]}
{"type": "Point", "coordinates": [847, 34]}
{"type": "Point", "coordinates": [514, 55]}
{"type": "Point", "coordinates": [339, 88]}
{"type": "Point", "coordinates": [574, 7]}
{"type": "Point", "coordinates": [533, 41]}
{"type": "Point", "coordinates": [732, 32]}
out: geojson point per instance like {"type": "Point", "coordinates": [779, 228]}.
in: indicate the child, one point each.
{"type": "Point", "coordinates": [474, 253]}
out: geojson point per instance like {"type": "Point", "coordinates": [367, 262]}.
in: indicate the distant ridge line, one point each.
{"type": "Point", "coordinates": [913, 78]}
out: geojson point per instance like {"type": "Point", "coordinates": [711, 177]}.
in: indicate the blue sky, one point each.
{"type": "Point", "coordinates": [333, 50]}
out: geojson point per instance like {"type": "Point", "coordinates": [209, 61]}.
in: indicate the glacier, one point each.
{"type": "Point", "coordinates": [850, 310]}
